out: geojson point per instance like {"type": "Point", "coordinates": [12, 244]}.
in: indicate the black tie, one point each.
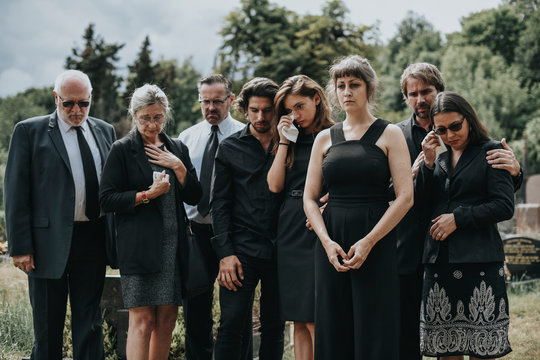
{"type": "Point", "coordinates": [207, 168]}
{"type": "Point", "coordinates": [90, 177]}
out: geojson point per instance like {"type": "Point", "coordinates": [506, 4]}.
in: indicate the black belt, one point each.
{"type": "Point", "coordinates": [199, 226]}
{"type": "Point", "coordinates": [296, 193]}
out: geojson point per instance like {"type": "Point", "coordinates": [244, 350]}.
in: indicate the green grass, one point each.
{"type": "Point", "coordinates": [16, 322]}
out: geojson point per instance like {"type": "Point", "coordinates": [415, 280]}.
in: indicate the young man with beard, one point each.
{"type": "Point", "coordinates": [420, 84]}
{"type": "Point", "coordinates": [244, 216]}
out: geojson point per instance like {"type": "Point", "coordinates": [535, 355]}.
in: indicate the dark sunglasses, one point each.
{"type": "Point", "coordinates": [70, 103]}
{"type": "Point", "coordinates": [454, 127]}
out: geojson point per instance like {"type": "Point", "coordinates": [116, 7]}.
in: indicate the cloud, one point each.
{"type": "Point", "coordinates": [14, 80]}
{"type": "Point", "coordinates": [37, 36]}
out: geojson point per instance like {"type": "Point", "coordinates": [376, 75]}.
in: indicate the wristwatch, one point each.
{"type": "Point", "coordinates": [145, 200]}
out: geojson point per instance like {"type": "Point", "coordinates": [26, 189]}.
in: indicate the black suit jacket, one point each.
{"type": "Point", "coordinates": [478, 196]}
{"type": "Point", "coordinates": [39, 192]}
{"type": "Point", "coordinates": [411, 230]}
{"type": "Point", "coordinates": [140, 228]}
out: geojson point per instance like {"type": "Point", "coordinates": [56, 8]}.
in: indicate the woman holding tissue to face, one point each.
{"type": "Point", "coordinates": [146, 179]}
{"type": "Point", "coordinates": [356, 292]}
{"type": "Point", "coordinates": [464, 304]}
{"type": "Point", "coordinates": [301, 112]}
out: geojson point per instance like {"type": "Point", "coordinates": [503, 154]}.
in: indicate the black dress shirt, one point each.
{"type": "Point", "coordinates": [244, 211]}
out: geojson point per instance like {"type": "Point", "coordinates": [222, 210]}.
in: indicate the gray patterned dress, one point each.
{"type": "Point", "coordinates": [161, 288]}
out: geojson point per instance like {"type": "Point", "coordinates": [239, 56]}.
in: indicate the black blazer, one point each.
{"type": "Point", "coordinates": [140, 228]}
{"type": "Point", "coordinates": [411, 230]}
{"type": "Point", "coordinates": [39, 193]}
{"type": "Point", "coordinates": [478, 196]}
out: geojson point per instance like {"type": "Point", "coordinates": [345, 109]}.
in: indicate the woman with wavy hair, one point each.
{"type": "Point", "coordinates": [300, 103]}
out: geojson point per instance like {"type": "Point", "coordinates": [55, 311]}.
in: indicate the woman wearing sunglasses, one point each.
{"type": "Point", "coordinates": [464, 302]}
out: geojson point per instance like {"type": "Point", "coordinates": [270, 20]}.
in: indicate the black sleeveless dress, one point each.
{"type": "Point", "coordinates": [356, 312]}
{"type": "Point", "coordinates": [295, 243]}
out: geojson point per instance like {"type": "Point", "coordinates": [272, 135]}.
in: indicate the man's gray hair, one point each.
{"type": "Point", "coordinates": [72, 74]}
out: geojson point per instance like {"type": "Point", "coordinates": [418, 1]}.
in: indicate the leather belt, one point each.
{"type": "Point", "coordinates": [199, 226]}
{"type": "Point", "coordinates": [296, 193]}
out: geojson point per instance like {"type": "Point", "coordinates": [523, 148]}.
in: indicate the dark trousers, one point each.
{"type": "Point", "coordinates": [198, 318]}
{"type": "Point", "coordinates": [83, 281]}
{"type": "Point", "coordinates": [236, 311]}
{"type": "Point", "coordinates": [410, 297]}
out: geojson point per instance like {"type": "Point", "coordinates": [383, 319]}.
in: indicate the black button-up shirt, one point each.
{"type": "Point", "coordinates": [244, 211]}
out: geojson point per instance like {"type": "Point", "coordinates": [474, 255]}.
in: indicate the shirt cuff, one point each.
{"type": "Point", "coordinates": [222, 245]}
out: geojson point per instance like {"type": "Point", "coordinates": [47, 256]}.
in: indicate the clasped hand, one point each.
{"type": "Point", "coordinates": [354, 259]}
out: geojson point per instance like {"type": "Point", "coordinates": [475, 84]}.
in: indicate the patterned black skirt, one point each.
{"type": "Point", "coordinates": [464, 311]}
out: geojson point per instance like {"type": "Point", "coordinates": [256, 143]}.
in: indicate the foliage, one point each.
{"type": "Point", "coordinates": [182, 85]}
{"type": "Point", "coordinates": [532, 131]}
{"type": "Point", "coordinates": [141, 71]}
{"type": "Point", "coordinates": [497, 29]}
{"type": "Point", "coordinates": [490, 85]}
{"type": "Point", "coordinates": [416, 40]}
{"type": "Point", "coordinates": [529, 50]}
{"type": "Point", "coordinates": [263, 39]}
{"type": "Point", "coordinates": [29, 103]}
{"type": "Point", "coordinates": [98, 60]}
{"type": "Point", "coordinates": [15, 323]}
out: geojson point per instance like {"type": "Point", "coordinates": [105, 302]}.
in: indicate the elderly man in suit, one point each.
{"type": "Point", "coordinates": [420, 84]}
{"type": "Point", "coordinates": [55, 229]}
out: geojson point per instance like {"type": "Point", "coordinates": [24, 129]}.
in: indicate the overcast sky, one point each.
{"type": "Point", "coordinates": [36, 36]}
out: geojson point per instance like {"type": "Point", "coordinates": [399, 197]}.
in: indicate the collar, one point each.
{"type": "Point", "coordinates": [65, 127]}
{"type": "Point", "coordinates": [223, 126]}
{"type": "Point", "coordinates": [415, 123]}
{"type": "Point", "coordinates": [245, 131]}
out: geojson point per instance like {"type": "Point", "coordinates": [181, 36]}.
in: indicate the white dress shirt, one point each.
{"type": "Point", "coordinates": [69, 135]}
{"type": "Point", "coordinates": [195, 139]}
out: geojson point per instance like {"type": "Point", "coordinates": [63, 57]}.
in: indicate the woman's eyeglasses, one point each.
{"type": "Point", "coordinates": [454, 127]}
{"type": "Point", "coordinates": [70, 103]}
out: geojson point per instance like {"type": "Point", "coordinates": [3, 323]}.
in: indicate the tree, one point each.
{"type": "Point", "coordinates": [532, 134]}
{"type": "Point", "coordinates": [416, 40]}
{"type": "Point", "coordinates": [249, 35]}
{"type": "Point", "coordinates": [529, 50]}
{"type": "Point", "coordinates": [316, 43]}
{"type": "Point", "coordinates": [490, 85]}
{"type": "Point", "coordinates": [262, 39]}
{"type": "Point", "coordinates": [142, 71]}
{"type": "Point", "coordinates": [180, 83]}
{"type": "Point", "coordinates": [97, 59]}
{"type": "Point", "coordinates": [498, 29]}
{"type": "Point", "coordinates": [29, 103]}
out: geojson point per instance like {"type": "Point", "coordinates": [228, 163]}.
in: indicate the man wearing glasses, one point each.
{"type": "Point", "coordinates": [420, 84]}
{"type": "Point", "coordinates": [55, 229]}
{"type": "Point", "coordinates": [202, 139]}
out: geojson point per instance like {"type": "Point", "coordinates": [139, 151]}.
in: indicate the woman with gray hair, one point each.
{"type": "Point", "coordinates": [146, 179]}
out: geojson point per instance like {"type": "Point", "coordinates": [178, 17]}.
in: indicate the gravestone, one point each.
{"type": "Point", "coordinates": [533, 189]}
{"type": "Point", "coordinates": [522, 257]}
{"type": "Point", "coordinates": [527, 218]}
{"type": "Point", "coordinates": [115, 314]}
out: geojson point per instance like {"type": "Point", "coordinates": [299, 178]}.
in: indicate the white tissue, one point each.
{"type": "Point", "coordinates": [290, 132]}
{"type": "Point", "coordinates": [441, 148]}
